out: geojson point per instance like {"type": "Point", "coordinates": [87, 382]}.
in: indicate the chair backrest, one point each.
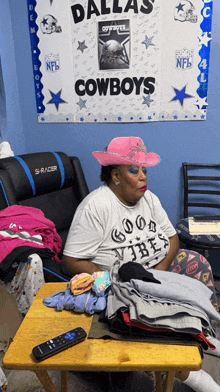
{"type": "Point", "coordinates": [201, 181]}
{"type": "Point", "coordinates": [50, 181]}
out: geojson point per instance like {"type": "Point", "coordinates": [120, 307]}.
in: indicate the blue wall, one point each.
{"type": "Point", "coordinates": [14, 131]}
{"type": "Point", "coordinates": [175, 142]}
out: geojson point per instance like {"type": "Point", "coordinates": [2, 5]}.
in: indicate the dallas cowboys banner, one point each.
{"type": "Point", "coordinates": [120, 60]}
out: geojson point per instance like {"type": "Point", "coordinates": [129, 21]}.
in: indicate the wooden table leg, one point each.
{"type": "Point", "coordinates": [170, 378]}
{"type": "Point", "coordinates": [64, 380]}
{"type": "Point", "coordinates": [158, 376]}
{"type": "Point", "coordinates": [45, 380]}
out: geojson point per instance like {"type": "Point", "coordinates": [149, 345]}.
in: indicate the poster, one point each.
{"type": "Point", "coordinates": [119, 61]}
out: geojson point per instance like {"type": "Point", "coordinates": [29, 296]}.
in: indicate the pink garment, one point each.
{"type": "Point", "coordinates": [27, 226]}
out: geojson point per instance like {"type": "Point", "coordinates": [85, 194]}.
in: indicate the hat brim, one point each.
{"type": "Point", "coordinates": [108, 158]}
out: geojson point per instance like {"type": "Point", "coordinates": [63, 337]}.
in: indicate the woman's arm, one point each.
{"type": "Point", "coordinates": [174, 247]}
{"type": "Point", "coordinates": [72, 266]}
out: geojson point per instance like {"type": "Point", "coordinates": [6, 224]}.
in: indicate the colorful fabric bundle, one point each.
{"type": "Point", "coordinates": [81, 283]}
{"type": "Point", "coordinates": [102, 283]}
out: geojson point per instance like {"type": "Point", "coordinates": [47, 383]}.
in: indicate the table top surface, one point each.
{"type": "Point", "coordinates": [42, 323]}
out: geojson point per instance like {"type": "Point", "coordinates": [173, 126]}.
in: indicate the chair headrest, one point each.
{"type": "Point", "coordinates": [38, 173]}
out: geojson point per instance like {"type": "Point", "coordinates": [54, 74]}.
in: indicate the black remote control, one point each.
{"type": "Point", "coordinates": [60, 343]}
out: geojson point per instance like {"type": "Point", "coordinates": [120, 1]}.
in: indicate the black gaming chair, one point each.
{"type": "Point", "coordinates": [50, 181]}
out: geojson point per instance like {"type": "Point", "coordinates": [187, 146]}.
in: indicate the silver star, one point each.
{"type": "Point", "coordinates": [147, 100]}
{"type": "Point", "coordinates": [82, 46]}
{"type": "Point", "coordinates": [81, 103]}
{"type": "Point", "coordinates": [148, 41]}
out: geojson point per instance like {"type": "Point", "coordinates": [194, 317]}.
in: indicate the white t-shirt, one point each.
{"type": "Point", "coordinates": [104, 230]}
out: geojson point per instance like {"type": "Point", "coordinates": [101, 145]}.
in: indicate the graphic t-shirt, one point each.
{"type": "Point", "coordinates": [104, 230]}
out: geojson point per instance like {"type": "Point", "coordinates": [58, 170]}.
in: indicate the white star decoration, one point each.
{"type": "Point", "coordinates": [204, 39]}
{"type": "Point", "coordinates": [196, 237]}
{"type": "Point", "coordinates": [201, 102]}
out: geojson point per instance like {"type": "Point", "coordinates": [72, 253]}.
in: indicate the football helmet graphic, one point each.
{"type": "Point", "coordinates": [184, 12]}
{"type": "Point", "coordinates": [112, 52]}
{"type": "Point", "coordinates": [49, 25]}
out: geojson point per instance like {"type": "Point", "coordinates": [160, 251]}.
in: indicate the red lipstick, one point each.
{"type": "Point", "coordinates": [143, 189]}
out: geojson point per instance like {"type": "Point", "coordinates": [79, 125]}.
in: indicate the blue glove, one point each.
{"type": "Point", "coordinates": [101, 284]}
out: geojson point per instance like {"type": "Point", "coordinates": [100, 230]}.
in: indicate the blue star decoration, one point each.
{"type": "Point", "coordinates": [180, 7]}
{"type": "Point", "coordinates": [56, 99]}
{"type": "Point", "coordinates": [181, 95]}
{"type": "Point", "coordinates": [148, 41]}
{"type": "Point", "coordinates": [147, 101]}
{"type": "Point", "coordinates": [82, 46]}
{"type": "Point", "coordinates": [81, 103]}
{"type": "Point", "coordinates": [44, 21]}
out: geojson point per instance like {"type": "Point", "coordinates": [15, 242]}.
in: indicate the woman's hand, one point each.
{"type": "Point", "coordinates": [174, 248]}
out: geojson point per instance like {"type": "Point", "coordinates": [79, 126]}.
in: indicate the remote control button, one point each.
{"type": "Point", "coordinates": [70, 336]}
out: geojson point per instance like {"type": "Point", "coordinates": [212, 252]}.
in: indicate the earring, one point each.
{"type": "Point", "coordinates": [117, 183]}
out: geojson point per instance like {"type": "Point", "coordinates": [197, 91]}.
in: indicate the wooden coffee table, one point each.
{"type": "Point", "coordinates": [42, 323]}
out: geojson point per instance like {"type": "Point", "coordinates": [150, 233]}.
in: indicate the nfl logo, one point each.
{"type": "Point", "coordinates": [52, 63]}
{"type": "Point", "coordinates": [184, 59]}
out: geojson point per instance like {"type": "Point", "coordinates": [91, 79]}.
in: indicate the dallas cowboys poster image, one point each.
{"type": "Point", "coordinates": [114, 44]}
{"type": "Point", "coordinates": [120, 60]}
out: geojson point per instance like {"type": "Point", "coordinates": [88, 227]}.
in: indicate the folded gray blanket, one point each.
{"type": "Point", "coordinates": [188, 301]}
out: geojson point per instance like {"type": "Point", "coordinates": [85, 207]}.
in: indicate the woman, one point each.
{"type": "Point", "coordinates": [123, 220]}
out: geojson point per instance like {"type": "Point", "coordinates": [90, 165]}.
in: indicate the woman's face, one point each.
{"type": "Point", "coordinates": [132, 183]}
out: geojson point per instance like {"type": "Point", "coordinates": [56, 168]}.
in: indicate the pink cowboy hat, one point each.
{"type": "Point", "coordinates": [127, 151]}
